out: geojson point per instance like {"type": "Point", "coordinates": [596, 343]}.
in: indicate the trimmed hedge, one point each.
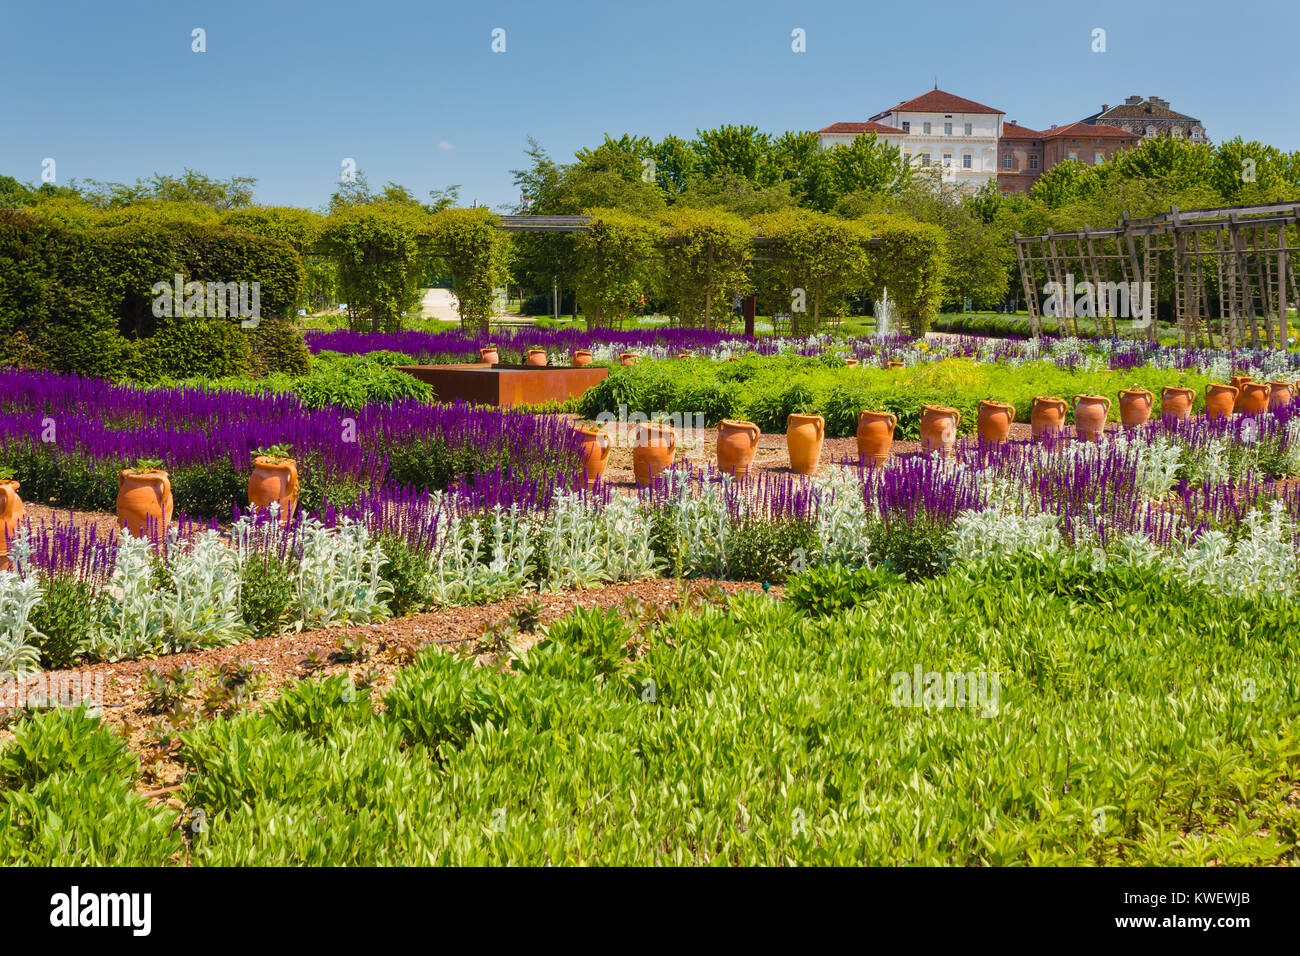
{"type": "Point", "coordinates": [80, 300]}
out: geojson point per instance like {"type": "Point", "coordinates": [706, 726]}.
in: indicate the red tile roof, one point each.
{"type": "Point", "coordinates": [937, 101]}
{"type": "Point", "coordinates": [880, 128]}
{"type": "Point", "coordinates": [1089, 130]}
{"type": "Point", "coordinates": [1012, 130]}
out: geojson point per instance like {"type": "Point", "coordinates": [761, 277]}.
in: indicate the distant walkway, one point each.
{"type": "Point", "coordinates": [439, 304]}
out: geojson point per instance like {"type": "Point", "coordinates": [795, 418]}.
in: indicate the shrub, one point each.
{"type": "Point", "coordinates": [762, 550]}
{"type": "Point", "coordinates": [64, 740]}
{"type": "Point", "coordinates": [406, 571]}
{"type": "Point", "coordinates": [64, 620]}
{"type": "Point", "coordinates": [317, 707]}
{"type": "Point", "coordinates": [913, 547]}
{"type": "Point", "coordinates": [267, 593]}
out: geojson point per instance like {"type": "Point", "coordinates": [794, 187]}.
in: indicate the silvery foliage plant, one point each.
{"type": "Point", "coordinates": [1262, 559]}
{"type": "Point", "coordinates": [993, 536]}
{"type": "Point", "coordinates": [339, 575]}
{"type": "Point", "coordinates": [201, 603]}
{"type": "Point", "coordinates": [19, 596]}
{"type": "Point", "coordinates": [133, 620]}
{"type": "Point", "coordinates": [841, 518]}
{"type": "Point", "coordinates": [470, 566]}
{"type": "Point", "coordinates": [587, 543]}
{"type": "Point", "coordinates": [700, 522]}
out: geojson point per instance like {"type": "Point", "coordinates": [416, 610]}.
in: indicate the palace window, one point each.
{"type": "Point", "coordinates": [1074, 154]}
{"type": "Point", "coordinates": [968, 129]}
{"type": "Point", "coordinates": [947, 159]}
{"type": "Point", "coordinates": [947, 129]}
{"type": "Point", "coordinates": [965, 161]}
{"type": "Point", "coordinates": [907, 126]}
{"type": "Point", "coordinates": [1100, 158]}
{"type": "Point", "coordinates": [925, 128]}
{"type": "Point", "coordinates": [1033, 162]}
{"type": "Point", "coordinates": [925, 159]}
{"type": "Point", "coordinates": [1006, 161]}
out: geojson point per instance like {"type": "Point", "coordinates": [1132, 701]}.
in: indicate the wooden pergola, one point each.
{"type": "Point", "coordinates": [1231, 272]}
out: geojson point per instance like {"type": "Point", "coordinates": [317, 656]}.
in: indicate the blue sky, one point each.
{"type": "Point", "coordinates": [413, 92]}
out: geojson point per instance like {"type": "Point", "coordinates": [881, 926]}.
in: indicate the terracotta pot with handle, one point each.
{"type": "Point", "coordinates": [11, 516]}
{"type": "Point", "coordinates": [1253, 398]}
{"type": "Point", "coordinates": [939, 428]}
{"type": "Point", "coordinates": [804, 435]}
{"type": "Point", "coordinates": [851, 362]}
{"type": "Point", "coordinates": [682, 355]}
{"type": "Point", "coordinates": [1047, 417]}
{"type": "Point", "coordinates": [274, 480]}
{"type": "Point", "coordinates": [893, 365]}
{"type": "Point", "coordinates": [595, 443]}
{"type": "Point", "coordinates": [1219, 400]}
{"type": "Point", "coordinates": [627, 358]}
{"type": "Point", "coordinates": [581, 356]}
{"type": "Point", "coordinates": [994, 421]}
{"type": "Point", "coordinates": [875, 436]}
{"type": "Point", "coordinates": [653, 448]}
{"type": "Point", "coordinates": [489, 354]}
{"type": "Point", "coordinates": [737, 442]}
{"type": "Point", "coordinates": [1176, 402]}
{"type": "Point", "coordinates": [144, 499]}
{"type": "Point", "coordinates": [1238, 382]}
{"type": "Point", "coordinates": [1135, 406]}
{"type": "Point", "coordinates": [1090, 413]}
{"type": "Point", "coordinates": [536, 357]}
{"type": "Point", "coordinates": [1280, 395]}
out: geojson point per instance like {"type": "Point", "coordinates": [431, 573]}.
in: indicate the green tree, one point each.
{"type": "Point", "coordinates": [613, 264]}
{"type": "Point", "coordinates": [477, 254]}
{"type": "Point", "coordinates": [705, 252]}
{"type": "Point", "coordinates": [381, 250]}
{"type": "Point", "coordinates": [810, 263]}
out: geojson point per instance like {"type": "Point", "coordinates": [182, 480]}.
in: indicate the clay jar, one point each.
{"type": "Point", "coordinates": [627, 358]}
{"type": "Point", "coordinates": [489, 354]}
{"type": "Point", "coordinates": [274, 480]}
{"type": "Point", "coordinates": [595, 444]}
{"type": "Point", "coordinates": [682, 355]}
{"type": "Point", "coordinates": [11, 515]}
{"type": "Point", "coordinates": [1176, 402]}
{"type": "Point", "coordinates": [1090, 413]}
{"type": "Point", "coordinates": [144, 498]}
{"type": "Point", "coordinates": [536, 357]}
{"type": "Point", "coordinates": [875, 436]}
{"type": "Point", "coordinates": [893, 365]}
{"type": "Point", "coordinates": [1253, 398]}
{"type": "Point", "coordinates": [994, 421]}
{"type": "Point", "coordinates": [939, 428]}
{"type": "Point", "coordinates": [1280, 395]}
{"type": "Point", "coordinates": [804, 435]}
{"type": "Point", "coordinates": [851, 362]}
{"type": "Point", "coordinates": [1047, 416]}
{"type": "Point", "coordinates": [737, 442]}
{"type": "Point", "coordinates": [1238, 381]}
{"type": "Point", "coordinates": [1135, 406]}
{"type": "Point", "coordinates": [1219, 400]}
{"type": "Point", "coordinates": [653, 447]}
{"type": "Point", "coordinates": [582, 357]}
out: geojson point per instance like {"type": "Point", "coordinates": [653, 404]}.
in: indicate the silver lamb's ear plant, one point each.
{"type": "Point", "coordinates": [19, 596]}
{"type": "Point", "coordinates": [339, 575]}
{"type": "Point", "coordinates": [133, 621]}
{"type": "Point", "coordinates": [202, 603]}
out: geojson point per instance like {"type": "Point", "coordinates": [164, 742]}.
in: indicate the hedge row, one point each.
{"type": "Point", "coordinates": [81, 300]}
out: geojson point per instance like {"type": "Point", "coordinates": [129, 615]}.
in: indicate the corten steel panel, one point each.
{"type": "Point", "coordinates": [507, 385]}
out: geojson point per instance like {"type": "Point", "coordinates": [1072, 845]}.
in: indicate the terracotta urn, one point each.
{"type": "Point", "coordinates": [627, 358]}
{"type": "Point", "coordinates": [1238, 381]}
{"type": "Point", "coordinates": [1135, 406]}
{"type": "Point", "coordinates": [875, 436]}
{"type": "Point", "coordinates": [1280, 395]}
{"type": "Point", "coordinates": [144, 498]}
{"type": "Point", "coordinates": [595, 444]}
{"type": "Point", "coordinates": [274, 479]}
{"type": "Point", "coordinates": [737, 442]}
{"type": "Point", "coordinates": [1253, 398]}
{"type": "Point", "coordinates": [653, 448]}
{"type": "Point", "coordinates": [994, 421]}
{"type": "Point", "coordinates": [804, 435]}
{"type": "Point", "coordinates": [682, 355]}
{"type": "Point", "coordinates": [1219, 400]}
{"type": "Point", "coordinates": [489, 354]}
{"type": "Point", "coordinates": [1047, 416]}
{"type": "Point", "coordinates": [733, 358]}
{"type": "Point", "coordinates": [939, 428]}
{"type": "Point", "coordinates": [851, 362]}
{"type": "Point", "coordinates": [536, 357]}
{"type": "Point", "coordinates": [1177, 402]}
{"type": "Point", "coordinates": [893, 364]}
{"type": "Point", "coordinates": [581, 356]}
{"type": "Point", "coordinates": [1090, 413]}
{"type": "Point", "coordinates": [11, 515]}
